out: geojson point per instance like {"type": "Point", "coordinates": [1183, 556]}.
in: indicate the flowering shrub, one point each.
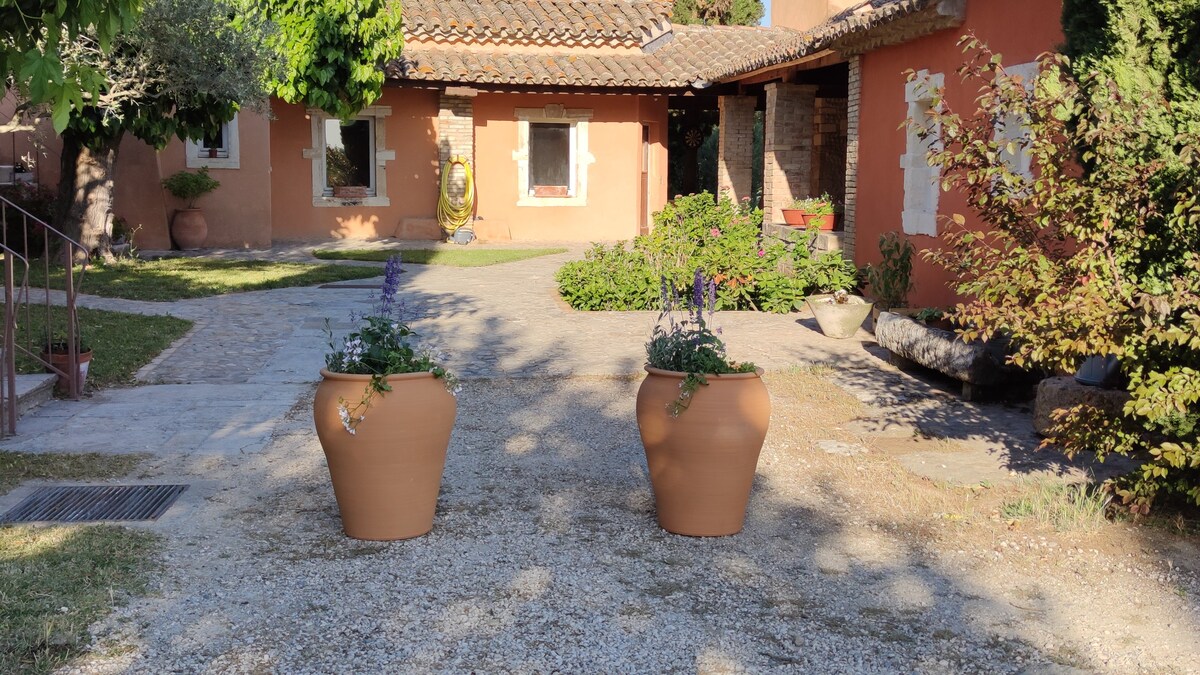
{"type": "Point", "coordinates": [722, 239]}
{"type": "Point", "coordinates": [383, 346]}
{"type": "Point", "coordinates": [688, 345]}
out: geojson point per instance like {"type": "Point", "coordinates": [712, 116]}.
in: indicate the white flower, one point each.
{"type": "Point", "coordinates": [344, 414]}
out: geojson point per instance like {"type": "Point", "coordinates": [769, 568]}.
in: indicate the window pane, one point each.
{"type": "Point", "coordinates": [348, 151]}
{"type": "Point", "coordinates": [216, 140]}
{"type": "Point", "coordinates": [550, 155]}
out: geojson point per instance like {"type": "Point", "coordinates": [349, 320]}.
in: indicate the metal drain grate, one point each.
{"type": "Point", "coordinates": [85, 503]}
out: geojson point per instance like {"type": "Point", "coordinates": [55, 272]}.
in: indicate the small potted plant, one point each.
{"type": "Point", "coordinates": [890, 280]}
{"type": "Point", "coordinates": [702, 420]}
{"type": "Point", "coordinates": [384, 411]}
{"type": "Point", "coordinates": [839, 314]}
{"type": "Point", "coordinates": [819, 212]}
{"type": "Point", "coordinates": [189, 229]}
{"type": "Point", "coordinates": [57, 357]}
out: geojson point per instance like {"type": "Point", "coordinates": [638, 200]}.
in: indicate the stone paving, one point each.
{"type": "Point", "coordinates": [260, 352]}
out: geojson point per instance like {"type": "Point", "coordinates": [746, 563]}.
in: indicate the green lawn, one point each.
{"type": "Point", "coordinates": [181, 278]}
{"type": "Point", "coordinates": [56, 581]}
{"type": "Point", "coordinates": [454, 257]}
{"type": "Point", "coordinates": [121, 343]}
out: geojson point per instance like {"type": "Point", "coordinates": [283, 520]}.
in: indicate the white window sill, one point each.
{"type": "Point", "coordinates": [356, 201]}
{"type": "Point", "coordinates": [529, 200]}
{"type": "Point", "coordinates": [213, 162]}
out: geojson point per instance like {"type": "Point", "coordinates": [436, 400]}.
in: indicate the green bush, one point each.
{"type": "Point", "coordinates": [190, 186]}
{"type": "Point", "coordinates": [718, 237]}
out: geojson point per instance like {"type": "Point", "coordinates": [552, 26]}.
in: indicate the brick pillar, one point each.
{"type": "Point", "coordinates": [787, 147]}
{"type": "Point", "coordinates": [829, 149]}
{"type": "Point", "coordinates": [735, 154]}
{"type": "Point", "coordinates": [456, 136]}
{"type": "Point", "coordinates": [848, 222]}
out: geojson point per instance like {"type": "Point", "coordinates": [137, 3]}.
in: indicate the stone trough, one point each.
{"type": "Point", "coordinates": [979, 365]}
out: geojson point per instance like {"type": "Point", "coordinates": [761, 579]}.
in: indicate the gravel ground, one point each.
{"type": "Point", "coordinates": [545, 557]}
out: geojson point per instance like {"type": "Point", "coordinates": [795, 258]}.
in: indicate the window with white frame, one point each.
{"type": "Point", "coordinates": [552, 156]}
{"type": "Point", "coordinates": [350, 158]}
{"type": "Point", "coordinates": [1010, 133]}
{"type": "Point", "coordinates": [922, 187]}
{"type": "Point", "coordinates": [217, 150]}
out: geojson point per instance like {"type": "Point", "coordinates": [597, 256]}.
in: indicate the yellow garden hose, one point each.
{"type": "Point", "coordinates": [450, 216]}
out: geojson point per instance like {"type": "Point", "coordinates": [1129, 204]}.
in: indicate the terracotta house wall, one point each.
{"type": "Point", "coordinates": [1020, 30]}
{"type": "Point", "coordinates": [614, 178]}
{"type": "Point", "coordinates": [412, 181]}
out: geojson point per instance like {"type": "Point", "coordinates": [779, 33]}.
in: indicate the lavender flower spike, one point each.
{"type": "Point", "coordinates": [712, 298]}
{"type": "Point", "coordinates": [698, 291]}
{"type": "Point", "coordinates": [391, 284]}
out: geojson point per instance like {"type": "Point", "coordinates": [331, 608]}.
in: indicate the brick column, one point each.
{"type": "Point", "coordinates": [787, 147]}
{"type": "Point", "coordinates": [829, 149]}
{"type": "Point", "coordinates": [735, 154]}
{"type": "Point", "coordinates": [848, 222]}
{"type": "Point", "coordinates": [456, 136]}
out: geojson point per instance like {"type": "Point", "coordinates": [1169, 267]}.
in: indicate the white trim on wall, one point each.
{"type": "Point", "coordinates": [1013, 127]}
{"type": "Point", "coordinates": [195, 156]}
{"type": "Point", "coordinates": [316, 153]}
{"type": "Point", "coordinates": [922, 182]}
{"type": "Point", "coordinates": [581, 158]}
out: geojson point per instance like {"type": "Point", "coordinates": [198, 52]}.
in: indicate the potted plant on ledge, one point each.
{"type": "Point", "coordinates": [384, 412]}
{"type": "Point", "coordinates": [702, 420]}
{"type": "Point", "coordinates": [819, 212]}
{"type": "Point", "coordinates": [189, 229]}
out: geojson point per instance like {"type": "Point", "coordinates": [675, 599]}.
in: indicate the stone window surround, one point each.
{"type": "Point", "coordinates": [922, 184]}
{"type": "Point", "coordinates": [316, 153]}
{"type": "Point", "coordinates": [195, 156]}
{"type": "Point", "coordinates": [581, 158]}
{"type": "Point", "coordinates": [1020, 163]}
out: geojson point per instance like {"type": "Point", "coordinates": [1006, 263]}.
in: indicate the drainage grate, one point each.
{"type": "Point", "coordinates": [85, 503]}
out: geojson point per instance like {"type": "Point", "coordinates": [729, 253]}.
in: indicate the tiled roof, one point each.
{"type": "Point", "coordinates": [677, 63]}
{"type": "Point", "coordinates": [857, 19]}
{"type": "Point", "coordinates": [555, 21]}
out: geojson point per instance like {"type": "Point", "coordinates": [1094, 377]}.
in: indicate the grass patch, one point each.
{"type": "Point", "coordinates": [1065, 507]}
{"type": "Point", "coordinates": [18, 467]}
{"type": "Point", "coordinates": [121, 343]}
{"type": "Point", "coordinates": [453, 257]}
{"type": "Point", "coordinates": [182, 278]}
{"type": "Point", "coordinates": [56, 581]}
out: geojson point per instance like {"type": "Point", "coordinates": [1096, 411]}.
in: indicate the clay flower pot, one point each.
{"type": "Point", "coordinates": [702, 462]}
{"type": "Point", "coordinates": [60, 360]}
{"type": "Point", "coordinates": [189, 229]}
{"type": "Point", "coordinates": [386, 475]}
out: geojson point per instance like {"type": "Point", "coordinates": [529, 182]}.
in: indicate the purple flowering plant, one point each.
{"type": "Point", "coordinates": [687, 343]}
{"type": "Point", "coordinates": [383, 345]}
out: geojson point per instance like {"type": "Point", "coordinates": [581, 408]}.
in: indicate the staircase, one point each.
{"type": "Point", "coordinates": [36, 318]}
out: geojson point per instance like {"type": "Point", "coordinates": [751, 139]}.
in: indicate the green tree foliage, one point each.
{"type": "Point", "coordinates": [1150, 49]}
{"type": "Point", "coordinates": [1098, 253]}
{"type": "Point", "coordinates": [334, 50]}
{"type": "Point", "coordinates": [723, 12]}
{"type": "Point", "coordinates": [32, 35]}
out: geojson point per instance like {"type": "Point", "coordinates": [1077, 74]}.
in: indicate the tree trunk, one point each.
{"type": "Point", "coordinates": [85, 195]}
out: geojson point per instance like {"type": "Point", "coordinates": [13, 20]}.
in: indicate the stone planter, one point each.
{"type": "Point", "coordinates": [702, 462]}
{"type": "Point", "coordinates": [839, 320]}
{"type": "Point", "coordinates": [386, 475]}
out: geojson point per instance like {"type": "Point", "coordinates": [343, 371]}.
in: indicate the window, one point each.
{"type": "Point", "coordinates": [216, 151]}
{"type": "Point", "coordinates": [551, 172]}
{"type": "Point", "coordinates": [552, 156]}
{"type": "Point", "coordinates": [349, 154]}
{"type": "Point", "coordinates": [922, 187]}
{"type": "Point", "coordinates": [349, 158]}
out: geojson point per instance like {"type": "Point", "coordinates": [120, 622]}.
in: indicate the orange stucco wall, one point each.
{"type": "Point", "coordinates": [614, 178]}
{"type": "Point", "coordinates": [410, 130]}
{"type": "Point", "coordinates": [1020, 30]}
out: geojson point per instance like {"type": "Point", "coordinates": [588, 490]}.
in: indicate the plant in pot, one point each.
{"type": "Point", "coordinates": [702, 420]}
{"type": "Point", "coordinates": [890, 279]}
{"type": "Point", "coordinates": [819, 212]}
{"type": "Point", "coordinates": [188, 227]}
{"type": "Point", "coordinates": [57, 357]}
{"type": "Point", "coordinates": [384, 411]}
{"type": "Point", "coordinates": [839, 313]}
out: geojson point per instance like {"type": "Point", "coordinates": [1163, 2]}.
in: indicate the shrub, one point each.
{"type": "Point", "coordinates": [190, 186]}
{"type": "Point", "coordinates": [891, 279]}
{"type": "Point", "coordinates": [721, 239]}
{"type": "Point", "coordinates": [1098, 254]}
{"type": "Point", "coordinates": [36, 199]}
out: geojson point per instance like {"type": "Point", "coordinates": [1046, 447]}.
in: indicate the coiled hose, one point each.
{"type": "Point", "coordinates": [453, 217]}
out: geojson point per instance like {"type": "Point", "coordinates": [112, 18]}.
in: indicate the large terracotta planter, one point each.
{"type": "Point", "coordinates": [702, 462]}
{"type": "Point", "coordinates": [189, 229]}
{"type": "Point", "coordinates": [386, 476]}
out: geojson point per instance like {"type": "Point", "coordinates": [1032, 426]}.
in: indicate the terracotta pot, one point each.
{"type": "Point", "coordinates": [350, 191]}
{"type": "Point", "coordinates": [702, 462]}
{"type": "Point", "coordinates": [62, 361]}
{"type": "Point", "coordinates": [189, 229]}
{"type": "Point", "coordinates": [793, 217]}
{"type": "Point", "coordinates": [839, 320]}
{"type": "Point", "coordinates": [824, 223]}
{"type": "Point", "coordinates": [386, 475]}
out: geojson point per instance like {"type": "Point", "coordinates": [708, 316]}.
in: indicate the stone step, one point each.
{"type": "Point", "coordinates": [33, 390]}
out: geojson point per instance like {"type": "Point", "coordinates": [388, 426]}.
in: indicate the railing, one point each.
{"type": "Point", "coordinates": [35, 327]}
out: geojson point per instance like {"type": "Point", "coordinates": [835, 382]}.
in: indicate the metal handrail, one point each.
{"type": "Point", "coordinates": [18, 300]}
